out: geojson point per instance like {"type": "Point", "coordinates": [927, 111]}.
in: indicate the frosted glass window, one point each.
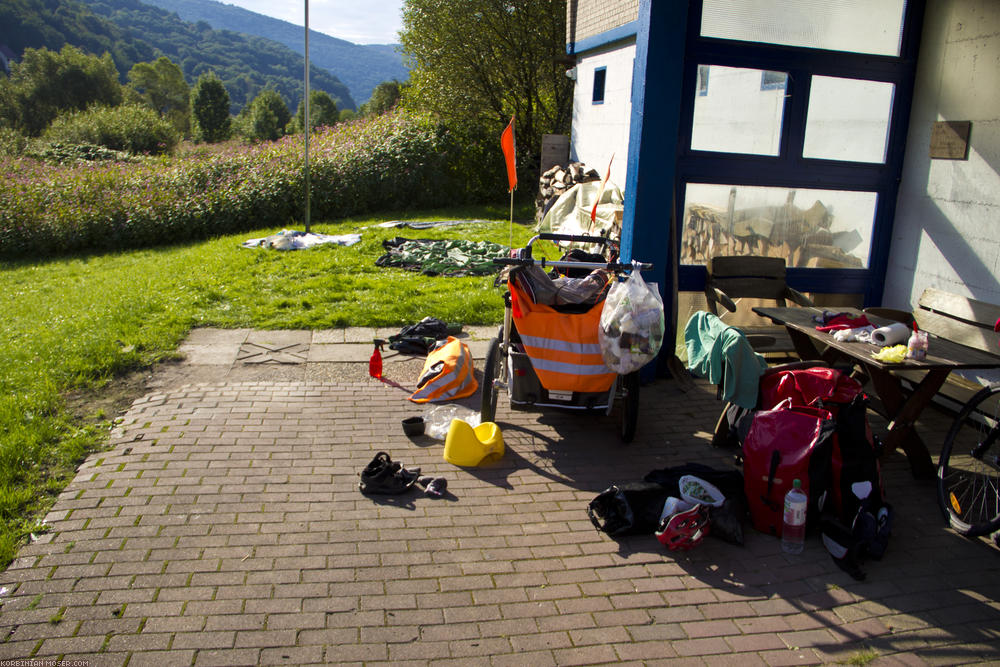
{"type": "Point", "coordinates": [809, 228]}
{"type": "Point", "coordinates": [859, 26]}
{"type": "Point", "coordinates": [734, 114]}
{"type": "Point", "coordinates": [848, 119]}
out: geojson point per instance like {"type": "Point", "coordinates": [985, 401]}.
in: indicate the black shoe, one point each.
{"type": "Point", "coordinates": [383, 476]}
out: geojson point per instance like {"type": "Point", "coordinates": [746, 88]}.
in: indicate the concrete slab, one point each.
{"type": "Point", "coordinates": [278, 353]}
{"type": "Point", "coordinates": [342, 352]}
{"type": "Point", "coordinates": [219, 354]}
{"type": "Point", "coordinates": [280, 337]}
{"type": "Point", "coordinates": [325, 336]}
{"type": "Point", "coordinates": [212, 336]}
{"type": "Point", "coordinates": [364, 335]}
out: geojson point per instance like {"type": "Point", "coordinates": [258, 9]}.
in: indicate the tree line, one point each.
{"type": "Point", "coordinates": [473, 64]}
{"type": "Point", "coordinates": [132, 32]}
{"type": "Point", "coordinates": [73, 97]}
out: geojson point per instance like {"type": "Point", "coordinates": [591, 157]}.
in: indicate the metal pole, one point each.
{"type": "Point", "coordinates": [307, 128]}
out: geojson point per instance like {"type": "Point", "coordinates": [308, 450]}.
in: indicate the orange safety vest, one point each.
{"type": "Point", "coordinates": [564, 348]}
{"type": "Point", "coordinates": [448, 373]}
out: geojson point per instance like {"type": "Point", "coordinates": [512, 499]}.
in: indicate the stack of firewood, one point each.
{"type": "Point", "coordinates": [558, 180]}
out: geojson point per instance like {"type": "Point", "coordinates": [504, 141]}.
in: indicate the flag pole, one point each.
{"type": "Point", "coordinates": [508, 147]}
{"type": "Point", "coordinates": [510, 226]}
{"type": "Point", "coordinates": [306, 130]}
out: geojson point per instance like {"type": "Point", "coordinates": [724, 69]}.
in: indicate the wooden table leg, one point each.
{"type": "Point", "coordinates": [805, 346]}
{"type": "Point", "coordinates": [903, 412]}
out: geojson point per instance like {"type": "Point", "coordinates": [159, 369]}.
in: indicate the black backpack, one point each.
{"type": "Point", "coordinates": [856, 521]}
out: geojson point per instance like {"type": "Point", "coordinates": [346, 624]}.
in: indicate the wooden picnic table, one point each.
{"type": "Point", "coordinates": [900, 407]}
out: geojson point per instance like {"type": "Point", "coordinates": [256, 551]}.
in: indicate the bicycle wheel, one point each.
{"type": "Point", "coordinates": [491, 376]}
{"type": "Point", "coordinates": [969, 467]}
{"type": "Point", "coordinates": [630, 405]}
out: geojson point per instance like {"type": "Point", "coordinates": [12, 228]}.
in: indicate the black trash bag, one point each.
{"type": "Point", "coordinates": [726, 521]}
{"type": "Point", "coordinates": [729, 482]}
{"type": "Point", "coordinates": [416, 345]}
{"type": "Point", "coordinates": [628, 509]}
{"type": "Point", "coordinates": [419, 338]}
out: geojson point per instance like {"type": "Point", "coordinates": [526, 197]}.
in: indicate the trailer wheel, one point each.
{"type": "Point", "coordinates": [630, 405]}
{"type": "Point", "coordinates": [491, 375]}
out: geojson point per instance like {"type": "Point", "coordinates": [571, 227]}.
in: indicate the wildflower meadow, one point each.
{"type": "Point", "coordinates": [390, 162]}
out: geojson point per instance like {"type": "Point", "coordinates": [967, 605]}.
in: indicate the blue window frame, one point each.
{"type": "Point", "coordinates": [600, 78]}
{"type": "Point", "coordinates": [789, 169]}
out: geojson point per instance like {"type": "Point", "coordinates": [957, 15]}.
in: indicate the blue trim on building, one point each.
{"type": "Point", "coordinates": [648, 229]}
{"type": "Point", "coordinates": [621, 33]}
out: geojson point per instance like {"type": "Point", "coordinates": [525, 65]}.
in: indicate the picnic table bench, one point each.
{"type": "Point", "coordinates": [962, 338]}
{"type": "Point", "coordinates": [956, 318]}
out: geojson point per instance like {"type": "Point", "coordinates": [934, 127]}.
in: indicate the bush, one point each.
{"type": "Point", "coordinates": [127, 128]}
{"type": "Point", "coordinates": [12, 142]}
{"type": "Point", "coordinates": [68, 153]}
{"type": "Point", "coordinates": [265, 118]}
{"type": "Point", "coordinates": [385, 163]}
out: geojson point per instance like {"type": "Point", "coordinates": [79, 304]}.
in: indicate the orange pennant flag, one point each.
{"type": "Point", "coordinates": [600, 192]}
{"type": "Point", "coordinates": [507, 146]}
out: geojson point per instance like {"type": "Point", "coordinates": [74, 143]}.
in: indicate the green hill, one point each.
{"type": "Point", "coordinates": [36, 24]}
{"type": "Point", "coordinates": [134, 32]}
{"type": "Point", "coordinates": [360, 67]}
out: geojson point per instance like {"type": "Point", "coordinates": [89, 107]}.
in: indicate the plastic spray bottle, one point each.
{"type": "Point", "coordinates": [375, 363]}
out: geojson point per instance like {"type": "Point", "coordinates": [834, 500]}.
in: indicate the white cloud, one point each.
{"type": "Point", "coordinates": [365, 22]}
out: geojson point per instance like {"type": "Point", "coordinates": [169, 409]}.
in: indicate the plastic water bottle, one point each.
{"type": "Point", "coordinates": [793, 528]}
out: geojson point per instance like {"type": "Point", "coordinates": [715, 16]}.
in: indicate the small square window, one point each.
{"type": "Point", "coordinates": [600, 76]}
{"type": "Point", "coordinates": [703, 80]}
{"type": "Point", "coordinates": [773, 80]}
{"type": "Point", "coordinates": [737, 117]}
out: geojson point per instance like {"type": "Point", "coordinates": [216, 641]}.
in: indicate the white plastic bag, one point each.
{"type": "Point", "coordinates": [438, 419]}
{"type": "Point", "coordinates": [631, 328]}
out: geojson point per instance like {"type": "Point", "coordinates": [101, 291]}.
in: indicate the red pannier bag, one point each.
{"type": "Point", "coordinates": [785, 443]}
{"type": "Point", "coordinates": [854, 452]}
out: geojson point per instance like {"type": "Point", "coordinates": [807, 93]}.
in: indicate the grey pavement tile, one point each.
{"type": "Point", "coordinates": [235, 533]}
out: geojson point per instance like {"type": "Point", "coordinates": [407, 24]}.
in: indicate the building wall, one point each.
{"type": "Point", "coordinates": [601, 131]}
{"type": "Point", "coordinates": [947, 224]}
{"type": "Point", "coordinates": [587, 18]}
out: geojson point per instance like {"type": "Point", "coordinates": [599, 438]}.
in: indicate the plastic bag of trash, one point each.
{"type": "Point", "coordinates": [631, 327]}
{"type": "Point", "coordinates": [438, 419]}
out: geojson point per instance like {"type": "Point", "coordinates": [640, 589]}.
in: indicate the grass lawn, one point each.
{"type": "Point", "coordinates": [77, 323]}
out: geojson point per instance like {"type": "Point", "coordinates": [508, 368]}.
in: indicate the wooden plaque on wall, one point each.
{"type": "Point", "coordinates": [950, 139]}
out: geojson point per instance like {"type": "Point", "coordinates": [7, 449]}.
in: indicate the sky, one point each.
{"type": "Point", "coordinates": [357, 21]}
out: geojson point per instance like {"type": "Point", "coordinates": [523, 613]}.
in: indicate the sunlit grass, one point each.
{"type": "Point", "coordinates": [79, 322]}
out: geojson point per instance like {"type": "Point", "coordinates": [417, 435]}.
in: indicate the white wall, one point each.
{"type": "Point", "coordinates": [947, 229]}
{"type": "Point", "coordinates": [601, 130]}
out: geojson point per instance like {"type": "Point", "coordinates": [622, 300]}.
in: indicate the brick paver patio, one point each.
{"type": "Point", "coordinates": [224, 526]}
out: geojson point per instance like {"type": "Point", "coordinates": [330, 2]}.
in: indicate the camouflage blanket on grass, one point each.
{"type": "Point", "coordinates": [449, 257]}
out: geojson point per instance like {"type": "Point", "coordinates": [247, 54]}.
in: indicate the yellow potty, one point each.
{"type": "Point", "coordinates": [466, 446]}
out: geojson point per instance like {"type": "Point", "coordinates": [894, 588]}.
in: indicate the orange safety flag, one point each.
{"type": "Point", "coordinates": [600, 192]}
{"type": "Point", "coordinates": [507, 146]}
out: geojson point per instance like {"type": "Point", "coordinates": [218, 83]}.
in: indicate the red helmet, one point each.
{"type": "Point", "coordinates": [684, 530]}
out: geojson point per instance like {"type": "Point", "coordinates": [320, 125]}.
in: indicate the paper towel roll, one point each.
{"type": "Point", "coordinates": [893, 334]}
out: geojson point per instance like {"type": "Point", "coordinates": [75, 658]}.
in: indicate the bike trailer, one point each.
{"type": "Point", "coordinates": [561, 363]}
